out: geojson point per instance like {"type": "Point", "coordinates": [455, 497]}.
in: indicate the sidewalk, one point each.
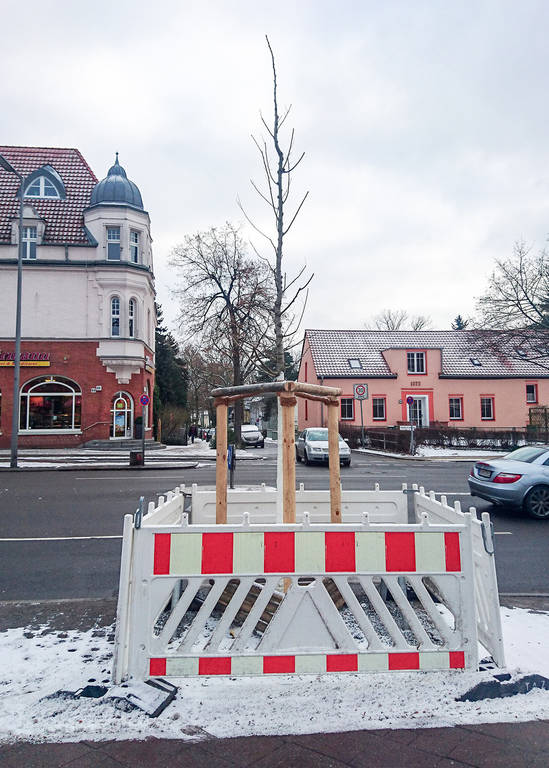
{"type": "Point", "coordinates": [513, 745]}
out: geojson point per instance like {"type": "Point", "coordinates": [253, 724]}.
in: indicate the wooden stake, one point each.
{"type": "Point", "coordinates": [288, 458]}
{"type": "Point", "coordinates": [333, 458]}
{"type": "Point", "coordinates": [221, 464]}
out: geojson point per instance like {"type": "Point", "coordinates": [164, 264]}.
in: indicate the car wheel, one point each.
{"type": "Point", "coordinates": [306, 458]}
{"type": "Point", "coordinates": [347, 463]}
{"type": "Point", "coordinates": [297, 457]}
{"type": "Point", "coordinates": [537, 502]}
{"type": "Point", "coordinates": [261, 445]}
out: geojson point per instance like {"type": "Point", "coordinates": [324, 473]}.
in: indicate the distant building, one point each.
{"type": "Point", "coordinates": [447, 381]}
{"type": "Point", "coordinates": [88, 316]}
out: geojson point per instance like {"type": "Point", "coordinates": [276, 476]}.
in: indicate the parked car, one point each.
{"type": "Point", "coordinates": [251, 435]}
{"type": "Point", "coordinates": [312, 445]}
{"type": "Point", "coordinates": [520, 479]}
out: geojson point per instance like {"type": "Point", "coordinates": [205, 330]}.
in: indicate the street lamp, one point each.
{"type": "Point", "coordinates": [17, 359]}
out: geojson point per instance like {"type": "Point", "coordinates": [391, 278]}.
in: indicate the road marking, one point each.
{"type": "Point", "coordinates": [63, 538]}
{"type": "Point", "coordinates": [127, 477]}
{"type": "Point", "coordinates": [502, 533]}
{"type": "Point", "coordinates": [452, 493]}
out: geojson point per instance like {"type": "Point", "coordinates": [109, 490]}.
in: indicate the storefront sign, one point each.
{"type": "Point", "coordinates": [27, 359]}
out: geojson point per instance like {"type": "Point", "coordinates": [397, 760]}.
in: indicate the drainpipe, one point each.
{"type": "Point", "coordinates": [322, 405]}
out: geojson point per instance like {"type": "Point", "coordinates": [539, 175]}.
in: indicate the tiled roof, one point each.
{"type": "Point", "coordinates": [64, 218]}
{"type": "Point", "coordinates": [331, 351]}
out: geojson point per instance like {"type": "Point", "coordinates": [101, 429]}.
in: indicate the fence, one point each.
{"type": "Point", "coordinates": [305, 597]}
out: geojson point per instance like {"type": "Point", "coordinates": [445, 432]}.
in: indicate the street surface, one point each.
{"type": "Point", "coordinates": [60, 532]}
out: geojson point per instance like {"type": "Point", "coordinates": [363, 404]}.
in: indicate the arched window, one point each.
{"type": "Point", "coordinates": [51, 402]}
{"type": "Point", "coordinates": [41, 187]}
{"type": "Point", "coordinates": [122, 415]}
{"type": "Point", "coordinates": [115, 316]}
{"type": "Point", "coordinates": [132, 318]}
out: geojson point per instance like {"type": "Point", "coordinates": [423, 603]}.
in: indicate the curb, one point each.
{"type": "Point", "coordinates": [117, 467]}
{"type": "Point", "coordinates": [406, 457]}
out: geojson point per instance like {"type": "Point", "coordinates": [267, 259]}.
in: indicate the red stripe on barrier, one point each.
{"type": "Point", "coordinates": [400, 551]}
{"type": "Point", "coordinates": [457, 660]}
{"type": "Point", "coordinates": [217, 553]}
{"type": "Point", "coordinates": [451, 545]}
{"type": "Point", "coordinates": [342, 663]}
{"type": "Point", "coordinates": [404, 660]}
{"type": "Point", "coordinates": [217, 666]}
{"type": "Point", "coordinates": [278, 664]}
{"type": "Point", "coordinates": [162, 544]}
{"type": "Point", "coordinates": [340, 552]}
{"type": "Point", "coordinates": [279, 552]}
{"type": "Point", "coordinates": [157, 666]}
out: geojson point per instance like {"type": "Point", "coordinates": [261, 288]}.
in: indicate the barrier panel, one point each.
{"type": "Point", "coordinates": [294, 598]}
{"type": "Point", "coordinates": [382, 506]}
{"type": "Point", "coordinates": [488, 614]}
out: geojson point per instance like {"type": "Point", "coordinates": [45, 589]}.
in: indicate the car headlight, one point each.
{"type": "Point", "coordinates": [316, 450]}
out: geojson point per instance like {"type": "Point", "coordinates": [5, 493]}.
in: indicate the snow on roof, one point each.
{"type": "Point", "coordinates": [64, 217]}
{"type": "Point", "coordinates": [331, 351]}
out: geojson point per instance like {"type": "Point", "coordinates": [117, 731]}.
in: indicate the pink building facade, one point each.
{"type": "Point", "coordinates": [448, 381]}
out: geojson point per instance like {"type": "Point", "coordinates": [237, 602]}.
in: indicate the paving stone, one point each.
{"type": "Point", "coordinates": [242, 751]}
{"type": "Point", "coordinates": [402, 736]}
{"type": "Point", "coordinates": [33, 755]}
{"type": "Point", "coordinates": [532, 736]}
{"type": "Point", "coordinates": [343, 746]}
{"type": "Point", "coordinates": [438, 741]}
{"type": "Point", "coordinates": [193, 756]}
{"type": "Point", "coordinates": [291, 754]}
{"type": "Point", "coordinates": [140, 754]}
{"type": "Point", "coordinates": [484, 751]}
{"type": "Point", "coordinates": [389, 754]}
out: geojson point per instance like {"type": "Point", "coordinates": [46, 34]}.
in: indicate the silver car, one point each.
{"type": "Point", "coordinates": [251, 435]}
{"type": "Point", "coordinates": [520, 479]}
{"type": "Point", "coordinates": [312, 445]}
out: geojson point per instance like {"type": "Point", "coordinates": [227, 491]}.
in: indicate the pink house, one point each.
{"type": "Point", "coordinates": [449, 382]}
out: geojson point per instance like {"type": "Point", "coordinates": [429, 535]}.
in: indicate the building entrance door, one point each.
{"type": "Point", "coordinates": [122, 416]}
{"type": "Point", "coordinates": [418, 411]}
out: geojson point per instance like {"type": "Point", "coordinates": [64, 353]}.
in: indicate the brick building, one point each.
{"type": "Point", "coordinates": [448, 379]}
{"type": "Point", "coordinates": [88, 317]}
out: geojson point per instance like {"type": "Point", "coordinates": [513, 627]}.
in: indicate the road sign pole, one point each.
{"type": "Point", "coordinates": [143, 432]}
{"type": "Point", "coordinates": [362, 424]}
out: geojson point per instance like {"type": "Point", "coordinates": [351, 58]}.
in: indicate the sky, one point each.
{"type": "Point", "coordinates": [424, 126]}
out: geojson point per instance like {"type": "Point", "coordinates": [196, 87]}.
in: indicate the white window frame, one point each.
{"type": "Point", "coordinates": [135, 245]}
{"type": "Point", "coordinates": [115, 315]}
{"type": "Point", "coordinates": [347, 400]}
{"type": "Point", "coordinates": [65, 388]}
{"type": "Point", "coordinates": [114, 241]}
{"type": "Point", "coordinates": [379, 418]}
{"type": "Point", "coordinates": [534, 387]}
{"type": "Point", "coordinates": [412, 360]}
{"type": "Point", "coordinates": [42, 189]}
{"type": "Point", "coordinates": [490, 399]}
{"type": "Point", "coordinates": [132, 318]}
{"type": "Point", "coordinates": [30, 235]}
{"type": "Point", "coordinates": [460, 401]}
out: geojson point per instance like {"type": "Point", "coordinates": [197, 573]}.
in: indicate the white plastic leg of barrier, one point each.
{"type": "Point", "coordinates": [120, 661]}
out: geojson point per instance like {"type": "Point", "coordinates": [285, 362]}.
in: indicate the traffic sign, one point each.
{"type": "Point", "coordinates": [360, 391]}
{"type": "Point", "coordinates": [410, 400]}
{"type": "Point", "coordinates": [144, 399]}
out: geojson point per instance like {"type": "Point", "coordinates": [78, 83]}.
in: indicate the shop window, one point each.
{"type": "Point", "coordinates": [487, 408]}
{"type": "Point", "coordinates": [132, 317]}
{"type": "Point", "coordinates": [531, 393]}
{"type": "Point", "coordinates": [50, 403]}
{"type": "Point", "coordinates": [456, 408]}
{"type": "Point", "coordinates": [134, 246]}
{"type": "Point", "coordinates": [115, 316]}
{"type": "Point", "coordinates": [30, 237]}
{"type": "Point", "coordinates": [113, 243]}
{"type": "Point", "coordinates": [347, 404]}
{"type": "Point", "coordinates": [378, 409]}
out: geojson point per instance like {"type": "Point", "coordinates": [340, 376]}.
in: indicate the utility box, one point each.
{"type": "Point", "coordinates": [136, 459]}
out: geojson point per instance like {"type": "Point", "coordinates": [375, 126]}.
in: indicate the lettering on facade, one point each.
{"type": "Point", "coordinates": [415, 383]}
{"type": "Point", "coordinates": [38, 357]}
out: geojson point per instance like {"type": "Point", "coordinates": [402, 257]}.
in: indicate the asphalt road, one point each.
{"type": "Point", "coordinates": [60, 531]}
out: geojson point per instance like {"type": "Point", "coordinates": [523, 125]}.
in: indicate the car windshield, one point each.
{"type": "Point", "coordinates": [320, 434]}
{"type": "Point", "coordinates": [529, 453]}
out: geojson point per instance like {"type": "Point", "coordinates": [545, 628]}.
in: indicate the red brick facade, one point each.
{"type": "Point", "coordinates": [78, 361]}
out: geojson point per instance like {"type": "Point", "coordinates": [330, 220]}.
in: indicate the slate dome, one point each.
{"type": "Point", "coordinates": [116, 189]}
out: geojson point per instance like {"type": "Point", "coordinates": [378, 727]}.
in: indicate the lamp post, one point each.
{"type": "Point", "coordinates": [17, 358]}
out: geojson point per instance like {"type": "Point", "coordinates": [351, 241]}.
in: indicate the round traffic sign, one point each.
{"type": "Point", "coordinates": [144, 399]}
{"type": "Point", "coordinates": [360, 389]}
{"type": "Point", "coordinates": [410, 400]}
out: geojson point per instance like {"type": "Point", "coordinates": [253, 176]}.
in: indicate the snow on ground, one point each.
{"type": "Point", "coordinates": [427, 451]}
{"type": "Point", "coordinates": [37, 664]}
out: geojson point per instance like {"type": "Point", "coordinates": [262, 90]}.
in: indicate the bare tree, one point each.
{"type": "Point", "coordinates": [513, 313]}
{"type": "Point", "coordinates": [278, 165]}
{"type": "Point", "coordinates": [226, 297]}
{"type": "Point", "coordinates": [399, 320]}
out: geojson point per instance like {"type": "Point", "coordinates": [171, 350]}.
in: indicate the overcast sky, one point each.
{"type": "Point", "coordinates": [425, 128]}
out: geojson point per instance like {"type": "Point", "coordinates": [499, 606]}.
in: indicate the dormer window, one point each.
{"type": "Point", "coordinates": [354, 362]}
{"type": "Point", "coordinates": [416, 362]}
{"type": "Point", "coordinates": [30, 237]}
{"type": "Point", "coordinates": [113, 243]}
{"type": "Point", "coordinates": [42, 187]}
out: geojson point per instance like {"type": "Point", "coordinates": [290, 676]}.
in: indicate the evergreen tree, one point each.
{"type": "Point", "coordinates": [459, 324]}
{"type": "Point", "coordinates": [171, 373]}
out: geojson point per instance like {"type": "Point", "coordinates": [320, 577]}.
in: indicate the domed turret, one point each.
{"type": "Point", "coordinates": [116, 189]}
